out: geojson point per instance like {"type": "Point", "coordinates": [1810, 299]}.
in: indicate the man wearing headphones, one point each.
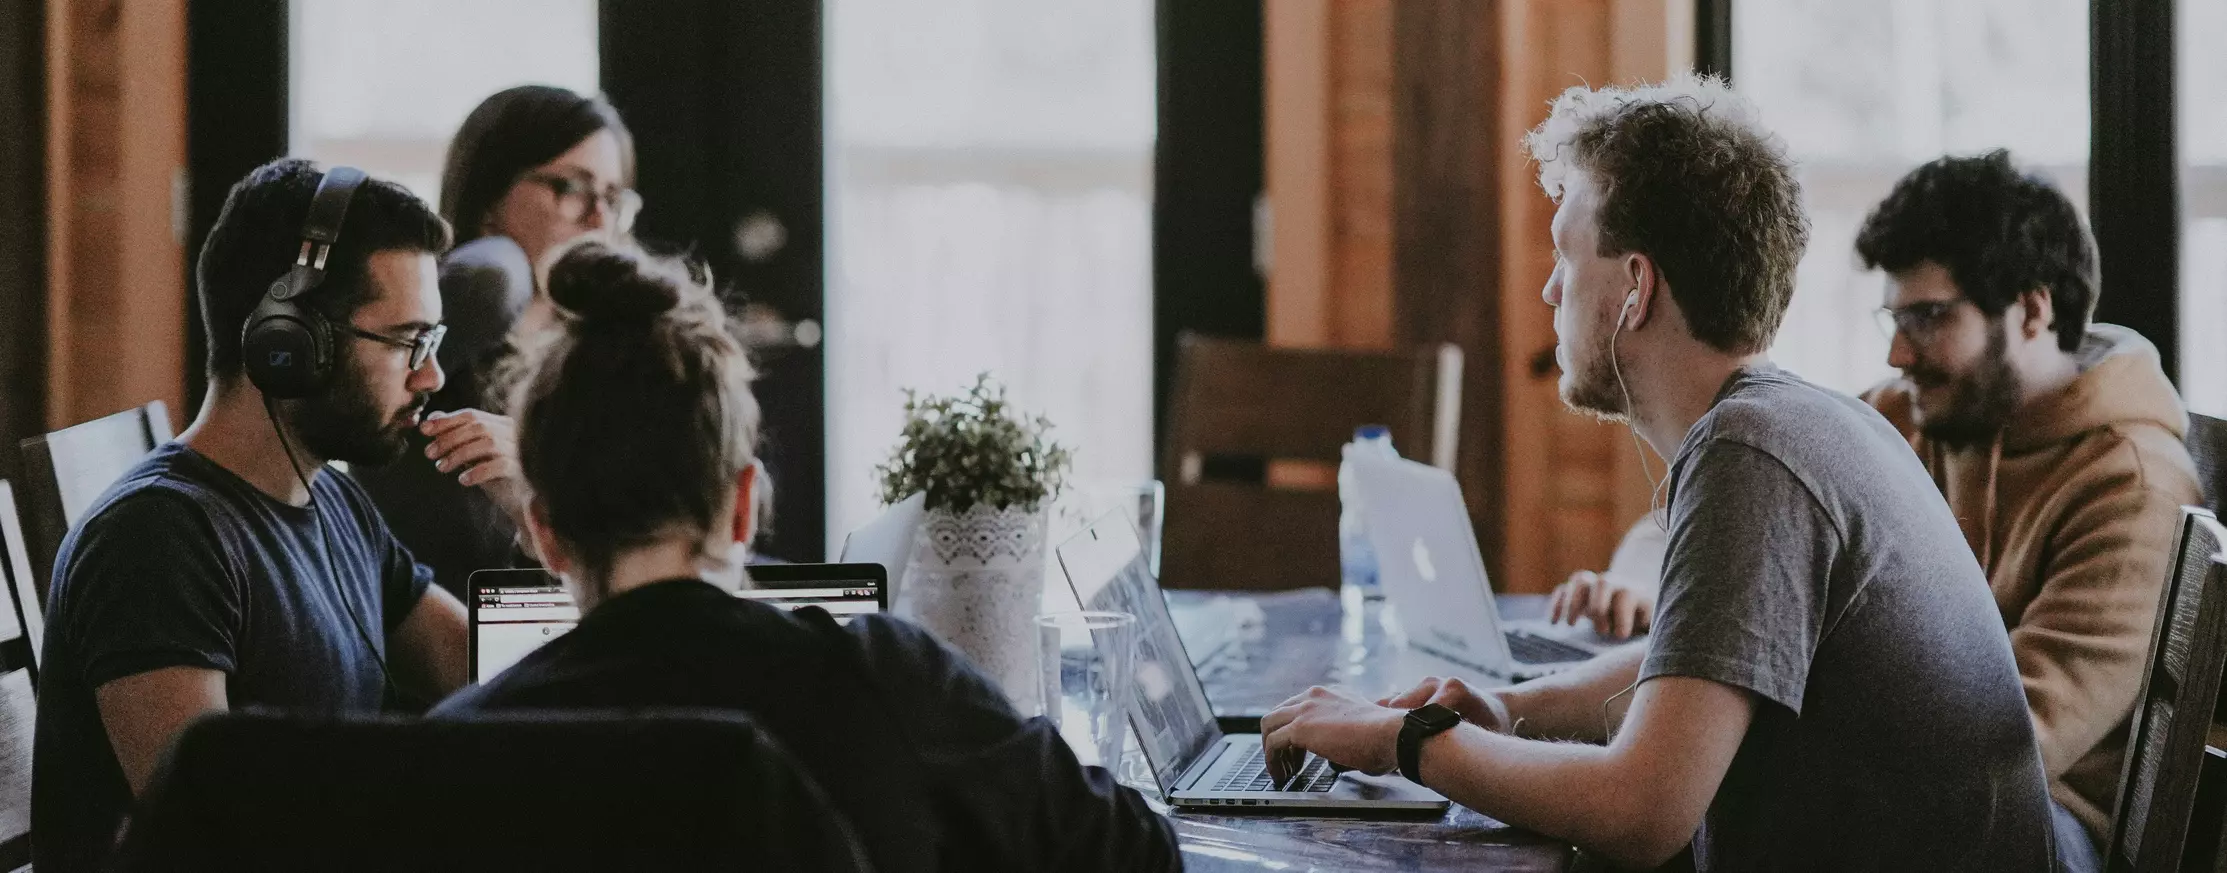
{"type": "Point", "coordinates": [230, 568]}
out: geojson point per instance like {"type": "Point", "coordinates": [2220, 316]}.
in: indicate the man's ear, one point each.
{"type": "Point", "coordinates": [746, 505]}
{"type": "Point", "coordinates": [2037, 312]}
{"type": "Point", "coordinates": [543, 538]}
{"type": "Point", "coordinates": [1641, 275]}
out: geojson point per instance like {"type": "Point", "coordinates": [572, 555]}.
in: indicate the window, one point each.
{"type": "Point", "coordinates": [383, 84]}
{"type": "Point", "coordinates": [989, 188]}
{"type": "Point", "coordinates": [2203, 147]}
{"type": "Point", "coordinates": [1865, 92]}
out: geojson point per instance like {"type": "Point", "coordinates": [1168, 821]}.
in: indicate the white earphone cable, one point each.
{"type": "Point", "coordinates": [1655, 509]}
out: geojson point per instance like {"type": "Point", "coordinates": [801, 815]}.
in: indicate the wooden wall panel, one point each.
{"type": "Point", "coordinates": [116, 292]}
{"type": "Point", "coordinates": [1361, 174]}
{"type": "Point", "coordinates": [1329, 118]}
{"type": "Point", "coordinates": [1448, 153]}
{"type": "Point", "coordinates": [1296, 90]}
{"type": "Point", "coordinates": [1400, 191]}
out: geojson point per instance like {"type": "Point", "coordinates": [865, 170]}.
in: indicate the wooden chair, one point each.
{"type": "Point", "coordinates": [68, 469]}
{"type": "Point", "coordinates": [2207, 444]}
{"type": "Point", "coordinates": [2165, 753]}
{"type": "Point", "coordinates": [1243, 401]}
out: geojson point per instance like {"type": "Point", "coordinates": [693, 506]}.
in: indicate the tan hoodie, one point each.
{"type": "Point", "coordinates": [2072, 511]}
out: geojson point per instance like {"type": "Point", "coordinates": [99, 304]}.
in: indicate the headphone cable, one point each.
{"type": "Point", "coordinates": [317, 517]}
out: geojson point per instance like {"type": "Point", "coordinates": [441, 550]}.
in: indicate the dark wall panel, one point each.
{"type": "Point", "coordinates": [22, 228]}
{"type": "Point", "coordinates": [2134, 192]}
{"type": "Point", "coordinates": [236, 120]}
{"type": "Point", "coordinates": [724, 102]}
{"type": "Point", "coordinates": [1208, 167]}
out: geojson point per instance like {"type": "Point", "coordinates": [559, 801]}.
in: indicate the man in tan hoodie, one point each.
{"type": "Point", "coordinates": [2057, 442]}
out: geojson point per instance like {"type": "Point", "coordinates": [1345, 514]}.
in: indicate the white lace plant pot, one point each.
{"type": "Point", "coordinates": [976, 581]}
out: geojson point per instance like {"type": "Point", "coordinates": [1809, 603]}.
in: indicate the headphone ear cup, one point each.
{"type": "Point", "coordinates": [287, 353]}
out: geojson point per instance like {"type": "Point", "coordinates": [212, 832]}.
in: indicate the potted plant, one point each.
{"type": "Point", "coordinates": [976, 574]}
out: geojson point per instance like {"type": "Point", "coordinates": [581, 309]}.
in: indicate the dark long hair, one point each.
{"type": "Point", "coordinates": [511, 132]}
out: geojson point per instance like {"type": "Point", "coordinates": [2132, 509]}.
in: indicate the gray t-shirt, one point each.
{"type": "Point", "coordinates": [1813, 563]}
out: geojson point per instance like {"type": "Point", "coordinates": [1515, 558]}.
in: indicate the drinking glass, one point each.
{"type": "Point", "coordinates": [1086, 664]}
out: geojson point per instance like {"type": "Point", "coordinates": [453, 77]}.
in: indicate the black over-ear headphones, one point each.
{"type": "Point", "coordinates": [286, 348]}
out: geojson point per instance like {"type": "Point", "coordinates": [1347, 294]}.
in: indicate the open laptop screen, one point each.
{"type": "Point", "coordinates": [1170, 712]}
{"type": "Point", "coordinates": [514, 612]}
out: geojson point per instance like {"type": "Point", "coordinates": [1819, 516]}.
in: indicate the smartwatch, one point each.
{"type": "Point", "coordinates": [1423, 722]}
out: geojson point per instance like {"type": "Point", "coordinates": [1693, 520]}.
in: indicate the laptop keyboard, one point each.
{"type": "Point", "coordinates": [1251, 774]}
{"type": "Point", "coordinates": [1532, 649]}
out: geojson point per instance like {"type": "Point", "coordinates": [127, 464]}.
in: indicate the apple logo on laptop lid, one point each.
{"type": "Point", "coordinates": [1424, 569]}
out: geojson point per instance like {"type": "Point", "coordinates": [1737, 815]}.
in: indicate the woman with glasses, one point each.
{"type": "Point", "coordinates": [532, 168]}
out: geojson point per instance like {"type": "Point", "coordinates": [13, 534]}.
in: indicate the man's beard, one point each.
{"type": "Point", "coordinates": [1980, 403]}
{"type": "Point", "coordinates": [1592, 386]}
{"type": "Point", "coordinates": [344, 423]}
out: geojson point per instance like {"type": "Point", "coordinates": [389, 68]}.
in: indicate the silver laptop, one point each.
{"type": "Point", "coordinates": [887, 540]}
{"type": "Point", "coordinates": [1195, 764]}
{"type": "Point", "coordinates": [1434, 577]}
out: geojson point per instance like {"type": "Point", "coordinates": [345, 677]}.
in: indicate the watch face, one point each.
{"type": "Point", "coordinates": [1433, 717]}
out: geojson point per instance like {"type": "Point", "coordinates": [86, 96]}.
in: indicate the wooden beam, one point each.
{"type": "Point", "coordinates": [115, 162]}
{"type": "Point", "coordinates": [1297, 113]}
{"type": "Point", "coordinates": [1448, 145]}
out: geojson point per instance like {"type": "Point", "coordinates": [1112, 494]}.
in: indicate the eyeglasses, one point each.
{"type": "Point", "coordinates": [576, 197]}
{"type": "Point", "coordinates": [1918, 321]}
{"type": "Point", "coordinates": [422, 347]}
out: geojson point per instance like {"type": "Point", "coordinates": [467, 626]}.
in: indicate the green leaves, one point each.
{"type": "Point", "coordinates": [973, 449]}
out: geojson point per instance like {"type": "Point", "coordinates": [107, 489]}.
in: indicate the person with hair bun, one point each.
{"type": "Point", "coordinates": [637, 440]}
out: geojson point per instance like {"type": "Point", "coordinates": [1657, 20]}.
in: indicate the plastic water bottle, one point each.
{"type": "Point", "coordinates": [1356, 558]}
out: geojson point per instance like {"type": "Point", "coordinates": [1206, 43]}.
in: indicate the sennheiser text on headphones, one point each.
{"type": "Point", "coordinates": [286, 348]}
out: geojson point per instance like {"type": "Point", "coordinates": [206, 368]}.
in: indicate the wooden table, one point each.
{"type": "Point", "coordinates": [1279, 645]}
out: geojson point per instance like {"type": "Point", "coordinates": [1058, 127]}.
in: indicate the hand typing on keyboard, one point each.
{"type": "Point", "coordinates": [1347, 730]}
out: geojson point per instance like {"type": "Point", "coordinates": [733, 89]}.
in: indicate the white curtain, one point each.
{"type": "Point", "coordinates": [989, 178]}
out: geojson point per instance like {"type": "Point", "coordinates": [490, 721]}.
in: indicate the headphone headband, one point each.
{"type": "Point", "coordinates": [328, 210]}
{"type": "Point", "coordinates": [285, 347]}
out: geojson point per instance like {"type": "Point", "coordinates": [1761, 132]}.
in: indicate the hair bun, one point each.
{"type": "Point", "coordinates": [603, 284]}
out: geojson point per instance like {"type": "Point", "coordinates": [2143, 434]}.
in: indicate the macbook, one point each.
{"type": "Point", "coordinates": [1194, 762]}
{"type": "Point", "coordinates": [514, 612]}
{"type": "Point", "coordinates": [1434, 577]}
{"type": "Point", "coordinates": [888, 540]}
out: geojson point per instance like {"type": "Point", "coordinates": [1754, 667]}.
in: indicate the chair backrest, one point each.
{"type": "Point", "coordinates": [65, 471]}
{"type": "Point", "coordinates": [2165, 747]}
{"type": "Point", "coordinates": [2207, 445]}
{"type": "Point", "coordinates": [564, 791]}
{"type": "Point", "coordinates": [1243, 401]}
{"type": "Point", "coordinates": [19, 642]}
{"type": "Point", "coordinates": [23, 595]}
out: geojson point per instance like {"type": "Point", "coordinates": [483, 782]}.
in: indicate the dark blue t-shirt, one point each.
{"type": "Point", "coordinates": [183, 564]}
{"type": "Point", "coordinates": [934, 769]}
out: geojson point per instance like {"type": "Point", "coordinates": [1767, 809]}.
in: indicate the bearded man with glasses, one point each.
{"type": "Point", "coordinates": [232, 568]}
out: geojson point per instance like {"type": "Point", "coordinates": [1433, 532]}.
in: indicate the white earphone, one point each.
{"type": "Point", "coordinates": [1630, 300]}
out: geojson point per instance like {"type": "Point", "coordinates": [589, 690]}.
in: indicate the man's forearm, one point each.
{"type": "Point", "coordinates": [1566, 790]}
{"type": "Point", "coordinates": [1570, 705]}
{"type": "Point", "coordinates": [1635, 800]}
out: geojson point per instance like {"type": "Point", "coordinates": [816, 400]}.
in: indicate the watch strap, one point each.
{"type": "Point", "coordinates": [1422, 723]}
